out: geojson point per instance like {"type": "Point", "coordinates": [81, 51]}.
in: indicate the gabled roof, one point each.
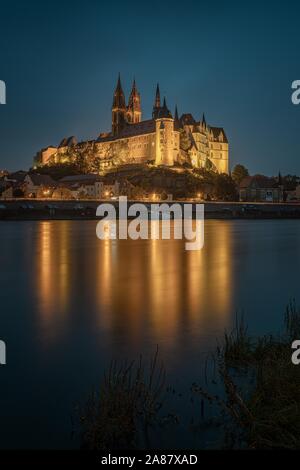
{"type": "Point", "coordinates": [131, 130]}
{"type": "Point", "coordinates": [216, 131]}
{"type": "Point", "coordinates": [143, 127]}
{"type": "Point", "coordinates": [17, 176]}
{"type": "Point", "coordinates": [187, 119]}
{"type": "Point", "coordinates": [257, 182]}
{"type": "Point", "coordinates": [42, 180]}
{"type": "Point", "coordinates": [91, 178]}
{"type": "Point", "coordinates": [68, 141]}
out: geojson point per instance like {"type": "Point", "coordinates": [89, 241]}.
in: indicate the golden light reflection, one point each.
{"type": "Point", "coordinates": [158, 284]}
{"type": "Point", "coordinates": [52, 270]}
{"type": "Point", "coordinates": [129, 289]}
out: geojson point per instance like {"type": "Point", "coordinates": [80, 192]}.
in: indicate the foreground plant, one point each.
{"type": "Point", "coordinates": [127, 402]}
{"type": "Point", "coordinates": [265, 414]}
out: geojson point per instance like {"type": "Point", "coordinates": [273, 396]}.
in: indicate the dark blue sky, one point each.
{"type": "Point", "coordinates": [234, 61]}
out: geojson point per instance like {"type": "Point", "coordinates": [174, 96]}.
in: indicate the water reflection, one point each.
{"type": "Point", "coordinates": [52, 272]}
{"type": "Point", "coordinates": [129, 288]}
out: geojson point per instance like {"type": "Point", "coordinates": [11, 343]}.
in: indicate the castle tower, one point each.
{"type": "Point", "coordinates": [164, 137]}
{"type": "Point", "coordinates": [134, 113]}
{"type": "Point", "coordinates": [118, 109]}
{"type": "Point", "coordinates": [176, 114]}
{"type": "Point", "coordinates": [156, 106]}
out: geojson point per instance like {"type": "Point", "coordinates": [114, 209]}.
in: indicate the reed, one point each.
{"type": "Point", "coordinates": [268, 415]}
{"type": "Point", "coordinates": [127, 402]}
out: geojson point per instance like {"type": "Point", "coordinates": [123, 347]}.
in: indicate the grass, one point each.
{"type": "Point", "coordinates": [259, 407]}
{"type": "Point", "coordinates": [118, 414]}
{"type": "Point", "coordinates": [267, 416]}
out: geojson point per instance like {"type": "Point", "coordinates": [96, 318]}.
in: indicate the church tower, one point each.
{"type": "Point", "coordinates": [156, 107]}
{"type": "Point", "coordinates": [164, 138]}
{"type": "Point", "coordinates": [134, 113]}
{"type": "Point", "coordinates": [118, 109]}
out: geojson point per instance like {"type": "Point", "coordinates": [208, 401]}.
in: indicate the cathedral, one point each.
{"type": "Point", "coordinates": [165, 139]}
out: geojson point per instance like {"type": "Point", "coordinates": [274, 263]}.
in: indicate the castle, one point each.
{"type": "Point", "coordinates": [161, 140]}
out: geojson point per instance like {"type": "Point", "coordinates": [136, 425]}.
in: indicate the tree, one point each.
{"type": "Point", "coordinates": [225, 188]}
{"type": "Point", "coordinates": [239, 173]}
{"type": "Point", "coordinates": [185, 142]}
{"type": "Point", "coordinates": [119, 151]}
{"type": "Point", "coordinates": [209, 166]}
{"type": "Point", "coordinates": [18, 192]}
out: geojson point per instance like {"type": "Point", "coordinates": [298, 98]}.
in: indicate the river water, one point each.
{"type": "Point", "coordinates": [70, 303]}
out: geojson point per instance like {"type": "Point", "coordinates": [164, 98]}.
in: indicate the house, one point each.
{"type": "Point", "coordinates": [83, 186]}
{"type": "Point", "coordinates": [293, 196]}
{"type": "Point", "coordinates": [36, 185]}
{"type": "Point", "coordinates": [16, 177]}
{"type": "Point", "coordinates": [90, 186]}
{"type": "Point", "coordinates": [6, 192]}
{"type": "Point", "coordinates": [12, 185]}
{"type": "Point", "coordinates": [62, 192]}
{"type": "Point", "coordinates": [260, 188]}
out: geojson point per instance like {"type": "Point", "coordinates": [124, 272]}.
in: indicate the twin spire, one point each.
{"type": "Point", "coordinates": [122, 114]}
{"type": "Point", "coordinates": [119, 97]}
{"type": "Point", "coordinates": [132, 113]}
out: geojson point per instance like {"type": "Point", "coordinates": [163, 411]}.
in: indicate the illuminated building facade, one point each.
{"type": "Point", "coordinates": [162, 140]}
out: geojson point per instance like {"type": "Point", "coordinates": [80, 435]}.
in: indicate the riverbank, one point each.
{"type": "Point", "coordinates": [256, 404]}
{"type": "Point", "coordinates": [32, 209]}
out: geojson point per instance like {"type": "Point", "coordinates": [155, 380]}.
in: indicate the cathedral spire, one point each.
{"type": "Point", "coordinates": [118, 108]}
{"type": "Point", "coordinates": [157, 97]}
{"type": "Point", "coordinates": [133, 85]}
{"type": "Point", "coordinates": [134, 113]}
{"type": "Point", "coordinates": [119, 97]}
{"type": "Point", "coordinates": [176, 113]}
{"type": "Point", "coordinates": [203, 119]}
{"type": "Point", "coordinates": [157, 105]}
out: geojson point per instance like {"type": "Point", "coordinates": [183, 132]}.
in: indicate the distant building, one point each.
{"type": "Point", "coordinates": [89, 186]}
{"type": "Point", "coordinates": [6, 192]}
{"type": "Point", "coordinates": [163, 140]}
{"type": "Point", "coordinates": [259, 188]}
{"type": "Point", "coordinates": [36, 185]}
{"type": "Point", "coordinates": [16, 177]}
{"type": "Point", "coordinates": [293, 195]}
